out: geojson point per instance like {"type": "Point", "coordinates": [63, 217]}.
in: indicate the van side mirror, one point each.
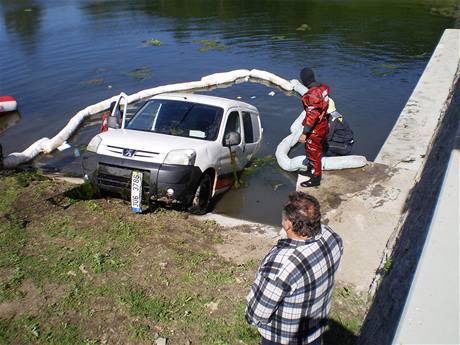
{"type": "Point", "coordinates": [232, 139]}
{"type": "Point", "coordinates": [112, 122]}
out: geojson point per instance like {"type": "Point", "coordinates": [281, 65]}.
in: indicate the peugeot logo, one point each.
{"type": "Point", "coordinates": [129, 152]}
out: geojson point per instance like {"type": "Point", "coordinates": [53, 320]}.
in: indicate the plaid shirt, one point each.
{"type": "Point", "coordinates": [291, 297]}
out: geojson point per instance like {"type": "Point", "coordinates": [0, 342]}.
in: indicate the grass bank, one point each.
{"type": "Point", "coordinates": [77, 270]}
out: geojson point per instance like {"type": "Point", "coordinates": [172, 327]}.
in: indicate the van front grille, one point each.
{"type": "Point", "coordinates": [120, 177]}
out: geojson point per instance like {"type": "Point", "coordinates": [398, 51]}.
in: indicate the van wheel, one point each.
{"type": "Point", "coordinates": [202, 197]}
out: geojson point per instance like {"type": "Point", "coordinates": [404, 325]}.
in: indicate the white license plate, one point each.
{"type": "Point", "coordinates": [136, 191]}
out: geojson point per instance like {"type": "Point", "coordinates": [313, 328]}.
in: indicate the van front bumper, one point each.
{"type": "Point", "coordinates": [161, 182]}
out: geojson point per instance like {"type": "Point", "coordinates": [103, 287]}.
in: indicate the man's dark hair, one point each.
{"type": "Point", "coordinates": [303, 211]}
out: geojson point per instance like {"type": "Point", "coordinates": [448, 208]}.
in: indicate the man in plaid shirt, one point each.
{"type": "Point", "coordinates": [290, 299]}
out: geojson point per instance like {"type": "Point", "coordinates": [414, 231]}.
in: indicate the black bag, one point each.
{"type": "Point", "coordinates": [339, 141]}
{"type": "Point", "coordinates": [339, 129]}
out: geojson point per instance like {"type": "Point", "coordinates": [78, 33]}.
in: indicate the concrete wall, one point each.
{"type": "Point", "coordinates": [409, 142]}
{"type": "Point", "coordinates": [432, 310]}
{"type": "Point", "coordinates": [420, 146]}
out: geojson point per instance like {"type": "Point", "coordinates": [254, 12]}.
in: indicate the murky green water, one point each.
{"type": "Point", "coordinates": [59, 56]}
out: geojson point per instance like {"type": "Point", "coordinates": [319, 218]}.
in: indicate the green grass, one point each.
{"type": "Point", "coordinates": [13, 238]}
{"type": "Point", "coordinates": [154, 308]}
{"type": "Point", "coordinates": [387, 266]}
{"type": "Point", "coordinates": [29, 329]}
{"type": "Point", "coordinates": [8, 194]}
{"type": "Point", "coordinates": [80, 271]}
{"type": "Point", "coordinates": [347, 315]}
{"type": "Point", "coordinates": [141, 331]}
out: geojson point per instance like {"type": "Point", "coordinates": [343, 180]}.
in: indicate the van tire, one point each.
{"type": "Point", "coordinates": [202, 196]}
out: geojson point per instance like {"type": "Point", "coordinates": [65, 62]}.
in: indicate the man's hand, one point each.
{"type": "Point", "coordinates": [302, 138]}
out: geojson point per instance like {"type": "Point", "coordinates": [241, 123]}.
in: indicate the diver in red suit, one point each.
{"type": "Point", "coordinates": [315, 102]}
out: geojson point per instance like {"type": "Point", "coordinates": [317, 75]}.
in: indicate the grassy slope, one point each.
{"type": "Point", "coordinates": [90, 272]}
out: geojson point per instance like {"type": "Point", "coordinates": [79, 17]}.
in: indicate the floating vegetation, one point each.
{"type": "Point", "coordinates": [275, 185]}
{"type": "Point", "coordinates": [140, 73]}
{"type": "Point", "coordinates": [237, 183]}
{"type": "Point", "coordinates": [417, 56]}
{"type": "Point", "coordinates": [152, 42]}
{"type": "Point", "coordinates": [388, 66]}
{"type": "Point", "coordinates": [452, 11]}
{"type": "Point", "coordinates": [304, 27]}
{"type": "Point", "coordinates": [379, 73]}
{"type": "Point", "coordinates": [101, 70]}
{"type": "Point", "coordinates": [210, 45]}
{"type": "Point", "coordinates": [384, 70]}
{"type": "Point", "coordinates": [95, 82]}
{"type": "Point", "coordinates": [278, 37]}
{"type": "Point", "coordinates": [256, 164]}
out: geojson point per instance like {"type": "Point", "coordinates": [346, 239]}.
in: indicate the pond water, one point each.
{"type": "Point", "coordinates": [58, 57]}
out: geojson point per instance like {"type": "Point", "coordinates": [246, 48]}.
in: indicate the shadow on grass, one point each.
{"type": "Point", "coordinates": [87, 191]}
{"type": "Point", "coordinates": [338, 334]}
{"type": "Point", "coordinates": [84, 191]}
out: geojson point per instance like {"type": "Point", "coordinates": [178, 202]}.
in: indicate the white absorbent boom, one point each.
{"type": "Point", "coordinates": [46, 145]}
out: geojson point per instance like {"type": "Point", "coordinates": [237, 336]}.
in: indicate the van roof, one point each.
{"type": "Point", "coordinates": [205, 99]}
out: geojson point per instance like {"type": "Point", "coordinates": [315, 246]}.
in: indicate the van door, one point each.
{"type": "Point", "coordinates": [252, 133]}
{"type": "Point", "coordinates": [225, 169]}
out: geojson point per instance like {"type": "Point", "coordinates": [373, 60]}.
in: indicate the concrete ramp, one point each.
{"type": "Point", "coordinates": [363, 206]}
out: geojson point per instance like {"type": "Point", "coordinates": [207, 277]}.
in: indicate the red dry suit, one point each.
{"type": "Point", "coordinates": [315, 103]}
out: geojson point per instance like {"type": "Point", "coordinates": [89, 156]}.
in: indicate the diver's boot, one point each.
{"type": "Point", "coordinates": [307, 172]}
{"type": "Point", "coordinates": [314, 181]}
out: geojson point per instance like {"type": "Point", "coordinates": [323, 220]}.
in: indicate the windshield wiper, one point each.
{"type": "Point", "coordinates": [186, 114]}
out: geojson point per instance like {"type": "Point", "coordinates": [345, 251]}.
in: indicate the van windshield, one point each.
{"type": "Point", "coordinates": [180, 118]}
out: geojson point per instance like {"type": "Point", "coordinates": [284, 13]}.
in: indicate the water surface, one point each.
{"type": "Point", "coordinates": [60, 56]}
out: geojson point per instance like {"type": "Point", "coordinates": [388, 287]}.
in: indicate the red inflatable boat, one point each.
{"type": "Point", "coordinates": [7, 104]}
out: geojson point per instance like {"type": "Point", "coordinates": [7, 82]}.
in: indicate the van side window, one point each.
{"type": "Point", "coordinates": [233, 123]}
{"type": "Point", "coordinates": [251, 127]}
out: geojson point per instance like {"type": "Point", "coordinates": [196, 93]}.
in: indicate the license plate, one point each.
{"type": "Point", "coordinates": [136, 191]}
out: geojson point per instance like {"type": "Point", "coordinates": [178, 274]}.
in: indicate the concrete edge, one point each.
{"type": "Point", "coordinates": [419, 213]}
{"type": "Point", "coordinates": [432, 95]}
{"type": "Point", "coordinates": [229, 222]}
{"type": "Point", "coordinates": [411, 137]}
{"type": "Point", "coordinates": [395, 234]}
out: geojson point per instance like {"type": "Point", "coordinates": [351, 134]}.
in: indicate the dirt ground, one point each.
{"type": "Point", "coordinates": [79, 270]}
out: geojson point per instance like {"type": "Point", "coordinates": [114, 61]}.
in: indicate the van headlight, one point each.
{"type": "Point", "coordinates": [181, 157]}
{"type": "Point", "coordinates": [94, 144]}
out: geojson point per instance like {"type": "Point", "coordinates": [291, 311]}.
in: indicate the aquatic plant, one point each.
{"type": "Point", "coordinates": [95, 82]}
{"type": "Point", "coordinates": [418, 56]}
{"type": "Point", "coordinates": [210, 45]}
{"type": "Point", "coordinates": [140, 73]}
{"type": "Point", "coordinates": [256, 163]}
{"type": "Point", "coordinates": [304, 27]}
{"type": "Point", "coordinates": [152, 42]}
{"type": "Point", "coordinates": [278, 37]}
{"type": "Point", "coordinates": [384, 70]}
{"type": "Point", "coordinates": [452, 11]}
